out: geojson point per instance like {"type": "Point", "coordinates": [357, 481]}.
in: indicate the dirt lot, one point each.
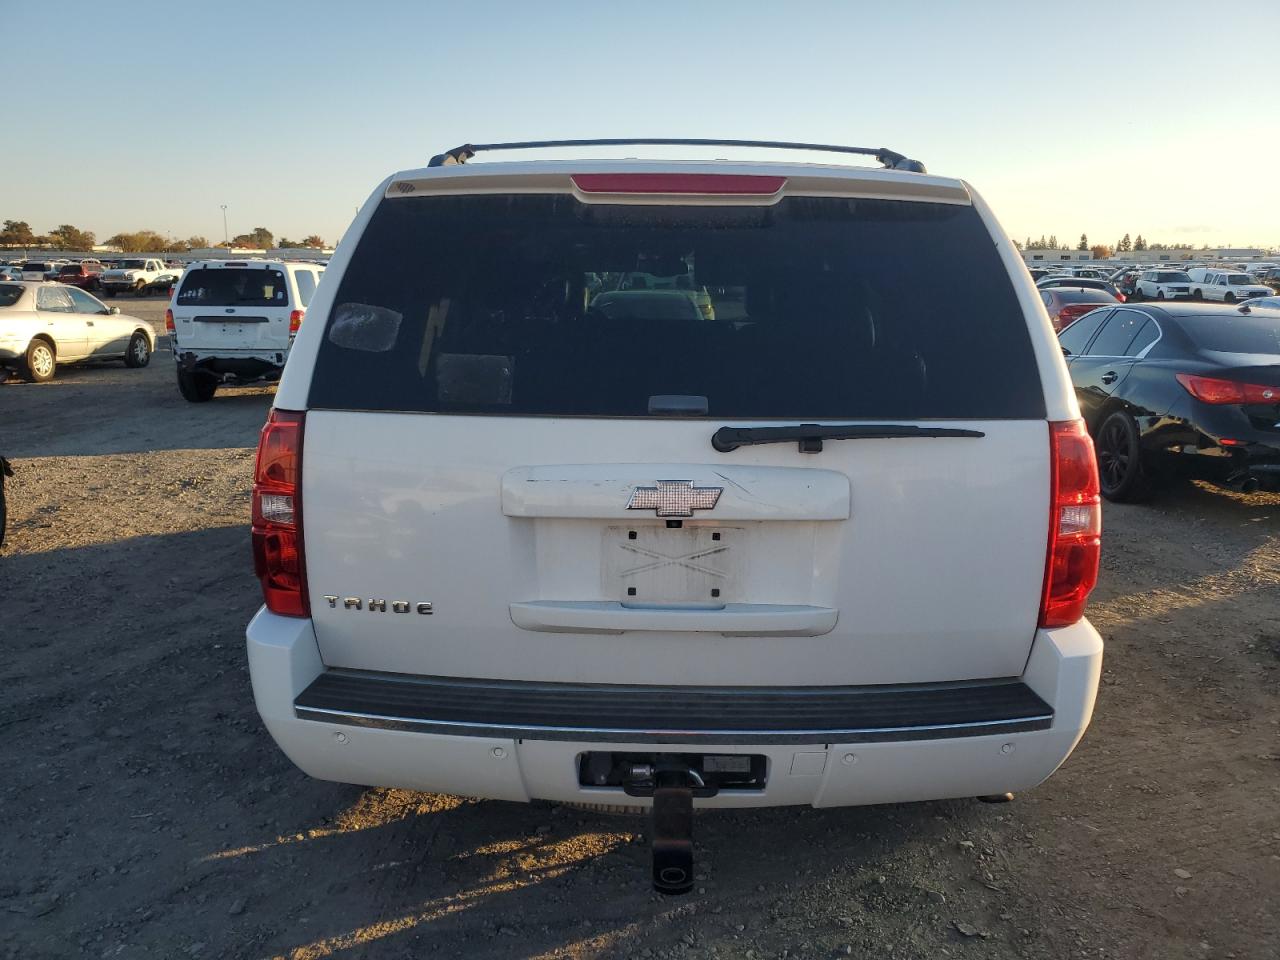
{"type": "Point", "coordinates": [147, 812]}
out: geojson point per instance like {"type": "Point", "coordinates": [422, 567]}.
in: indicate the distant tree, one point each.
{"type": "Point", "coordinates": [197, 243]}
{"type": "Point", "coordinates": [1084, 242]}
{"type": "Point", "coordinates": [17, 233]}
{"type": "Point", "coordinates": [314, 241]}
{"type": "Point", "coordinates": [67, 237]}
{"type": "Point", "coordinates": [142, 241]}
{"type": "Point", "coordinates": [260, 239]}
{"type": "Point", "coordinates": [1100, 251]}
{"type": "Point", "coordinates": [1053, 241]}
{"type": "Point", "coordinates": [1139, 244]}
{"type": "Point", "coordinates": [1125, 245]}
{"type": "Point", "coordinates": [1018, 244]}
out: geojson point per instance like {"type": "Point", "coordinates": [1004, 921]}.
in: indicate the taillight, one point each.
{"type": "Point", "coordinates": [295, 320]}
{"type": "Point", "coordinates": [168, 322]}
{"type": "Point", "coordinates": [1073, 312]}
{"type": "Point", "coordinates": [1120, 296]}
{"type": "Point", "coordinates": [1075, 525]}
{"type": "Point", "coordinates": [277, 515]}
{"type": "Point", "coordinates": [706, 184]}
{"type": "Point", "coordinates": [1212, 390]}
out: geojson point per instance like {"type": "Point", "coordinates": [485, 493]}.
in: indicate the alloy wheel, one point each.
{"type": "Point", "coordinates": [1113, 454]}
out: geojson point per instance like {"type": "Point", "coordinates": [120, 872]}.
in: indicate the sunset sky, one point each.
{"type": "Point", "coordinates": [1102, 118]}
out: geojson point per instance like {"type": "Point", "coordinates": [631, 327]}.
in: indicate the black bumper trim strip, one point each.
{"type": "Point", "coordinates": [619, 713]}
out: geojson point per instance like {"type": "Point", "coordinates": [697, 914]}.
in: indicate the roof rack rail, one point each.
{"type": "Point", "coordinates": [891, 159]}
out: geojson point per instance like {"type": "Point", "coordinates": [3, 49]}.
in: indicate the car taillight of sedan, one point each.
{"type": "Point", "coordinates": [1073, 312]}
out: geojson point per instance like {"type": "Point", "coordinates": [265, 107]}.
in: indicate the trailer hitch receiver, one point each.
{"type": "Point", "coordinates": [672, 785]}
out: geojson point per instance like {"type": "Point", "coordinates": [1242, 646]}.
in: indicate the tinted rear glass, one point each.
{"type": "Point", "coordinates": [9, 294]}
{"type": "Point", "coordinates": [233, 287]}
{"type": "Point", "coordinates": [1235, 334]}
{"type": "Point", "coordinates": [811, 308]}
{"type": "Point", "coordinates": [35, 266]}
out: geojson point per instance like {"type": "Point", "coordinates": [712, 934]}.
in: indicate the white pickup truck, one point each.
{"type": "Point", "coordinates": [1228, 286]}
{"type": "Point", "coordinates": [138, 277]}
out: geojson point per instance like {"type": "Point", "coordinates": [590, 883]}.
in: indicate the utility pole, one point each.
{"type": "Point", "coordinates": [226, 237]}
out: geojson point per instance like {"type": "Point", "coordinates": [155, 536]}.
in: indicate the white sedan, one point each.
{"type": "Point", "coordinates": [45, 324]}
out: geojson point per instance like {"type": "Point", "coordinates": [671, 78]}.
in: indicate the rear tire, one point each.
{"type": "Point", "coordinates": [139, 288]}
{"type": "Point", "coordinates": [1197, 295]}
{"type": "Point", "coordinates": [1122, 474]}
{"type": "Point", "coordinates": [41, 361]}
{"type": "Point", "coordinates": [1137, 295]}
{"type": "Point", "coordinates": [196, 388]}
{"type": "Point", "coordinates": [1229, 297]}
{"type": "Point", "coordinates": [138, 353]}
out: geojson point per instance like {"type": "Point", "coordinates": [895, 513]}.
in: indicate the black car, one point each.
{"type": "Point", "coordinates": [1080, 283]}
{"type": "Point", "coordinates": [1186, 389]}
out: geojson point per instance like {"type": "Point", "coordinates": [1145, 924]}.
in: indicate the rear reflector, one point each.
{"type": "Point", "coordinates": [1212, 390]}
{"type": "Point", "coordinates": [1075, 525]}
{"type": "Point", "coordinates": [705, 184]}
{"type": "Point", "coordinates": [277, 515]}
{"type": "Point", "coordinates": [168, 322]}
{"type": "Point", "coordinates": [295, 320]}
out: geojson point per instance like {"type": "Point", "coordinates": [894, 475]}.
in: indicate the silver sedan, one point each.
{"type": "Point", "coordinates": [46, 324]}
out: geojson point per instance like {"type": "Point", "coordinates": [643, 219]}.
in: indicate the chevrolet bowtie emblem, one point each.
{"type": "Point", "coordinates": [674, 498]}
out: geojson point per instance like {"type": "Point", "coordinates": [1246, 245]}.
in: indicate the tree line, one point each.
{"type": "Point", "coordinates": [1101, 251]}
{"type": "Point", "coordinates": [18, 233]}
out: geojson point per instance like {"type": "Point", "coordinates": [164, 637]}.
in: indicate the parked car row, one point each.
{"type": "Point", "coordinates": [128, 275]}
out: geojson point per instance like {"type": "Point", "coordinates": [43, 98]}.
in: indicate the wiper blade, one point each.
{"type": "Point", "coordinates": [810, 435]}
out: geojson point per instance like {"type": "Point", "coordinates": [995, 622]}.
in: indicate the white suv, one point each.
{"type": "Point", "coordinates": [234, 321]}
{"type": "Point", "coordinates": [1163, 285]}
{"type": "Point", "coordinates": [566, 539]}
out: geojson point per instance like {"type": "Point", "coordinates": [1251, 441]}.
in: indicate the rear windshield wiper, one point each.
{"type": "Point", "coordinates": [811, 435]}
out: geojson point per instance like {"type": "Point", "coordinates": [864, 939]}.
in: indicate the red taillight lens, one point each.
{"type": "Point", "coordinates": [706, 184]}
{"type": "Point", "coordinates": [1212, 390]}
{"type": "Point", "coordinates": [295, 320]}
{"type": "Point", "coordinates": [1073, 312]}
{"type": "Point", "coordinates": [1075, 525]}
{"type": "Point", "coordinates": [1121, 297]}
{"type": "Point", "coordinates": [168, 322]}
{"type": "Point", "coordinates": [277, 515]}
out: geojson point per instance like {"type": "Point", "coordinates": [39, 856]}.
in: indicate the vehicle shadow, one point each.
{"type": "Point", "coordinates": [131, 728]}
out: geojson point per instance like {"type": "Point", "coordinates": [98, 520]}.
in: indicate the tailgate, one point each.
{"type": "Point", "coordinates": [877, 561]}
{"type": "Point", "coordinates": [508, 468]}
{"type": "Point", "coordinates": [237, 305]}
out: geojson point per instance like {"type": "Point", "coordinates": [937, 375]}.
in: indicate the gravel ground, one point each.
{"type": "Point", "coordinates": [148, 813]}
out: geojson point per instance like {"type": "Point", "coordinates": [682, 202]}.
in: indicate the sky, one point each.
{"type": "Point", "coordinates": [1102, 118]}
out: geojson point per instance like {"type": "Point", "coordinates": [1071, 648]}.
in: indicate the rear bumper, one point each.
{"type": "Point", "coordinates": [366, 729]}
{"type": "Point", "coordinates": [237, 364]}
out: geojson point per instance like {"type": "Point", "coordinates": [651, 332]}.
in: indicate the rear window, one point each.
{"type": "Point", "coordinates": [68, 270]}
{"type": "Point", "coordinates": [1235, 334]}
{"type": "Point", "coordinates": [1172, 277]}
{"type": "Point", "coordinates": [9, 294]}
{"type": "Point", "coordinates": [131, 265]}
{"type": "Point", "coordinates": [816, 308]}
{"type": "Point", "coordinates": [36, 266]}
{"type": "Point", "coordinates": [233, 287]}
